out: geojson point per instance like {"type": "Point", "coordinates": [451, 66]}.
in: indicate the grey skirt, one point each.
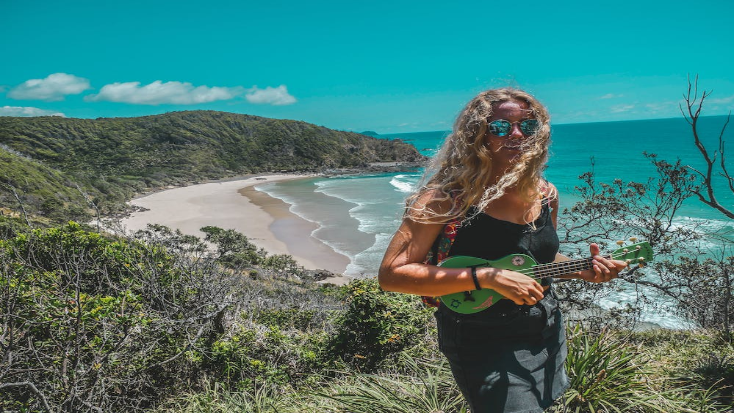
{"type": "Point", "coordinates": [509, 358]}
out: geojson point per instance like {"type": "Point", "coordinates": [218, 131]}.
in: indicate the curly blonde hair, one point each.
{"type": "Point", "coordinates": [460, 174]}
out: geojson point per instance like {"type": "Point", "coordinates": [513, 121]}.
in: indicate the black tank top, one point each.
{"type": "Point", "coordinates": [490, 238]}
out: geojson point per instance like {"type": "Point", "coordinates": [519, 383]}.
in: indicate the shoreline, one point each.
{"type": "Point", "coordinates": [296, 232]}
{"type": "Point", "coordinates": [236, 204]}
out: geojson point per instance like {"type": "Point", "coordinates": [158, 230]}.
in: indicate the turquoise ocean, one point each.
{"type": "Point", "coordinates": [357, 215]}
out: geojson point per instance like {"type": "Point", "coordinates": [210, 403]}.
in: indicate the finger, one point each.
{"type": "Point", "coordinates": [601, 267]}
{"type": "Point", "coordinates": [597, 274]}
{"type": "Point", "coordinates": [596, 269]}
{"type": "Point", "coordinates": [594, 249]}
{"type": "Point", "coordinates": [605, 276]}
{"type": "Point", "coordinates": [537, 292]}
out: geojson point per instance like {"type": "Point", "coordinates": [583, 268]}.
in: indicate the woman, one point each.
{"type": "Point", "coordinates": [485, 196]}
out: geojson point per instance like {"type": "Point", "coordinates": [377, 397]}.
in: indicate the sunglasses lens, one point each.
{"type": "Point", "coordinates": [529, 126]}
{"type": "Point", "coordinates": [499, 127]}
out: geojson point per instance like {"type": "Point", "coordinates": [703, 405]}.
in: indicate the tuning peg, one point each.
{"type": "Point", "coordinates": [633, 239]}
{"type": "Point", "coordinates": [620, 243]}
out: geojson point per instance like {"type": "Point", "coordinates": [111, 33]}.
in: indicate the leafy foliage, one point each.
{"type": "Point", "coordinates": [378, 325]}
{"type": "Point", "coordinates": [92, 322]}
{"type": "Point", "coordinates": [692, 265]}
{"type": "Point", "coordinates": [45, 190]}
{"type": "Point", "coordinates": [234, 250]}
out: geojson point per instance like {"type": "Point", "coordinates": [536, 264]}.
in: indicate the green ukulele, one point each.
{"type": "Point", "coordinates": [469, 302]}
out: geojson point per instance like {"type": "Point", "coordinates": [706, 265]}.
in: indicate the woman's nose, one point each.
{"type": "Point", "coordinates": [515, 131]}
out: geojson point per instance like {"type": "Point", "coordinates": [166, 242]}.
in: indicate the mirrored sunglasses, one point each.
{"type": "Point", "coordinates": [501, 127]}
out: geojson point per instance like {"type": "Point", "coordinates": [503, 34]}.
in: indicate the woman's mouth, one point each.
{"type": "Point", "coordinates": [513, 146]}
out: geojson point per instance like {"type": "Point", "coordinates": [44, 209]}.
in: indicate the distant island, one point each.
{"type": "Point", "coordinates": [65, 168]}
{"type": "Point", "coordinates": [370, 133]}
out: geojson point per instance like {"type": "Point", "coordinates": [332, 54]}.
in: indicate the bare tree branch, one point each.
{"type": "Point", "coordinates": [706, 193]}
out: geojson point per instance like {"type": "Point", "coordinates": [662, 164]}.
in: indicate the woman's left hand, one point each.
{"type": "Point", "coordinates": [603, 269]}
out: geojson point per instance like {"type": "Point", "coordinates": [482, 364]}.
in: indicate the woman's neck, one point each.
{"type": "Point", "coordinates": [513, 207]}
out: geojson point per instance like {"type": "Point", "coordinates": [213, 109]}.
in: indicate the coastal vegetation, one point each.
{"type": "Point", "coordinates": [692, 267]}
{"type": "Point", "coordinates": [104, 162]}
{"type": "Point", "coordinates": [159, 321]}
{"type": "Point", "coordinates": [154, 322]}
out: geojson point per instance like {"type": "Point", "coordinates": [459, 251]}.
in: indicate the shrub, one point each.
{"type": "Point", "coordinates": [378, 325]}
{"type": "Point", "coordinates": [95, 323]}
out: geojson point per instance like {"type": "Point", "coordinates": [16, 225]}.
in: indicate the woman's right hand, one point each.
{"type": "Point", "coordinates": [519, 288]}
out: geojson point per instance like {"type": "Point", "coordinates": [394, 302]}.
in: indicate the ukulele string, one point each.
{"type": "Point", "coordinates": [562, 268]}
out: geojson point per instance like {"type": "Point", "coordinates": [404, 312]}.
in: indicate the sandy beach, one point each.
{"type": "Point", "coordinates": [237, 205]}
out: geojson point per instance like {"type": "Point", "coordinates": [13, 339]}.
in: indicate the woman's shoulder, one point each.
{"type": "Point", "coordinates": [548, 190]}
{"type": "Point", "coordinates": [549, 193]}
{"type": "Point", "coordinates": [432, 205]}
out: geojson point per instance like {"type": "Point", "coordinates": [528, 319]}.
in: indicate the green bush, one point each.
{"type": "Point", "coordinates": [289, 318]}
{"type": "Point", "coordinates": [269, 355]}
{"type": "Point", "coordinates": [378, 325]}
{"type": "Point", "coordinates": [605, 374]}
{"type": "Point", "coordinates": [86, 318]}
{"type": "Point", "coordinates": [234, 250]}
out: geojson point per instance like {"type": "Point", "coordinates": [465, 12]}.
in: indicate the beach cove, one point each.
{"type": "Point", "coordinates": [235, 204]}
{"type": "Point", "coordinates": [343, 223]}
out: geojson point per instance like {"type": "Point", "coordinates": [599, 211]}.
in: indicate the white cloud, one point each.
{"type": "Point", "coordinates": [184, 93]}
{"type": "Point", "coordinates": [52, 88]}
{"type": "Point", "coordinates": [27, 111]}
{"type": "Point", "coordinates": [156, 93]}
{"type": "Point", "coordinates": [611, 96]}
{"type": "Point", "coordinates": [621, 108]}
{"type": "Point", "coordinates": [664, 108]}
{"type": "Point", "coordinates": [270, 95]}
{"type": "Point", "coordinates": [720, 101]}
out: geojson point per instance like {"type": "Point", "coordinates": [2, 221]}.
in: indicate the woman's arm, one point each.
{"type": "Point", "coordinates": [402, 269]}
{"type": "Point", "coordinates": [552, 193]}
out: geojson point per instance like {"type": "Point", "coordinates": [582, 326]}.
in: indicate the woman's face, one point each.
{"type": "Point", "coordinates": [507, 149]}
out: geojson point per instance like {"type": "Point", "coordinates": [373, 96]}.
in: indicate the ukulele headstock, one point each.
{"type": "Point", "coordinates": [637, 253]}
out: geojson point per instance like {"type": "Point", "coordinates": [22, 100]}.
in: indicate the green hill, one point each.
{"type": "Point", "coordinates": [43, 189]}
{"type": "Point", "coordinates": [113, 158]}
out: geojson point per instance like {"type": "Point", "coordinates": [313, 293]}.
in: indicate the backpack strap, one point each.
{"type": "Point", "coordinates": [440, 251]}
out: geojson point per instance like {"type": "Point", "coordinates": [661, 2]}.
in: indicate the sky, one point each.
{"type": "Point", "coordinates": [386, 66]}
